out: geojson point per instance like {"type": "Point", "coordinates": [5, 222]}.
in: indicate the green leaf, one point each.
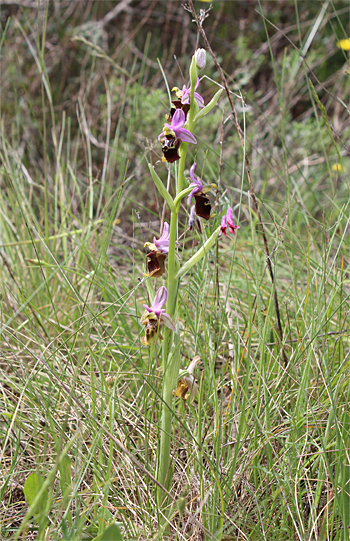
{"type": "Point", "coordinates": [65, 473]}
{"type": "Point", "coordinates": [111, 534]}
{"type": "Point", "coordinates": [182, 194]}
{"type": "Point", "coordinates": [32, 487]}
{"type": "Point", "coordinates": [161, 188]}
{"type": "Point", "coordinates": [209, 106]}
{"type": "Point", "coordinates": [198, 255]}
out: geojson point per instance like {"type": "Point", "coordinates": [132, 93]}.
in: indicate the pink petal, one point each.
{"type": "Point", "coordinates": [168, 322]}
{"type": "Point", "coordinates": [229, 216]}
{"type": "Point", "coordinates": [199, 99]}
{"type": "Point", "coordinates": [186, 136]}
{"type": "Point", "coordinates": [178, 120]}
{"type": "Point", "coordinates": [159, 300]}
{"type": "Point", "coordinates": [192, 172]}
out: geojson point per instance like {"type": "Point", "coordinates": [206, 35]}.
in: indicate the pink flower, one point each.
{"type": "Point", "coordinates": [155, 317]}
{"type": "Point", "coordinates": [186, 94]}
{"type": "Point", "coordinates": [176, 129]}
{"type": "Point", "coordinates": [227, 221]}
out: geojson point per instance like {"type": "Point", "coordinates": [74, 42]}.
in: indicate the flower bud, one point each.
{"type": "Point", "coordinates": [201, 58]}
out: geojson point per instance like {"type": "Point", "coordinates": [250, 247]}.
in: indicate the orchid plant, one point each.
{"type": "Point", "coordinates": [175, 138]}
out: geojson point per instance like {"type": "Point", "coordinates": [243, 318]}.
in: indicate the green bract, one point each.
{"type": "Point", "coordinates": [198, 256]}
{"type": "Point", "coordinates": [209, 106]}
{"type": "Point", "coordinates": [161, 188]}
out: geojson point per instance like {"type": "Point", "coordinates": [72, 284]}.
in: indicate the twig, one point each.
{"type": "Point", "coordinates": [121, 6]}
{"type": "Point", "coordinates": [251, 186]}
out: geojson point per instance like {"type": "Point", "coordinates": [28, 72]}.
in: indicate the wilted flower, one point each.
{"type": "Point", "coordinates": [173, 135]}
{"type": "Point", "coordinates": [155, 317]}
{"type": "Point", "coordinates": [187, 387]}
{"type": "Point", "coordinates": [203, 206]}
{"type": "Point", "coordinates": [184, 95]}
{"type": "Point", "coordinates": [201, 58]}
{"type": "Point", "coordinates": [227, 221]}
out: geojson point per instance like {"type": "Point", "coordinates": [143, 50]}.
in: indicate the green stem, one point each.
{"type": "Point", "coordinates": [171, 357]}
{"type": "Point", "coordinates": [171, 366]}
{"type": "Point", "coordinates": [180, 177]}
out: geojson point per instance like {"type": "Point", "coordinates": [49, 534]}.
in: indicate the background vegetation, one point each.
{"type": "Point", "coordinates": [263, 450]}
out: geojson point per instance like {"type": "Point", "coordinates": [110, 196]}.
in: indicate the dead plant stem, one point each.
{"type": "Point", "coordinates": [251, 186]}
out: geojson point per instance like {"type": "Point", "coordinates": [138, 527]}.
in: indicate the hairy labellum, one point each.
{"type": "Point", "coordinates": [202, 205]}
{"type": "Point", "coordinates": [170, 147]}
{"type": "Point", "coordinates": [152, 330]}
{"type": "Point", "coordinates": [155, 264]}
{"type": "Point", "coordinates": [178, 105]}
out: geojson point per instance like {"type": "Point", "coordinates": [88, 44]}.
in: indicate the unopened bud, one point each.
{"type": "Point", "coordinates": [201, 58]}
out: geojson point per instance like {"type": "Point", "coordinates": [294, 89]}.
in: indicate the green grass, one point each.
{"type": "Point", "coordinates": [263, 450]}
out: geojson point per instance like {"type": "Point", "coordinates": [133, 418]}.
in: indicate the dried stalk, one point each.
{"type": "Point", "coordinates": [199, 23]}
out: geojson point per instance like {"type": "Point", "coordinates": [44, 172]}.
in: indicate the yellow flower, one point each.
{"type": "Point", "coordinates": [344, 44]}
{"type": "Point", "coordinates": [338, 167]}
